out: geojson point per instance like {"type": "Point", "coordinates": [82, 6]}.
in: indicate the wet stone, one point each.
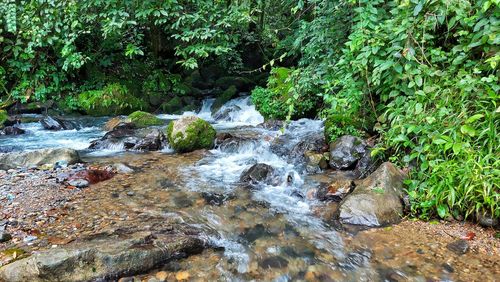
{"type": "Point", "coordinates": [130, 193]}
{"type": "Point", "coordinates": [448, 268]}
{"type": "Point", "coordinates": [79, 183]}
{"type": "Point", "coordinates": [459, 247]}
{"type": "Point", "coordinates": [215, 199]}
{"type": "Point", "coordinates": [273, 262]}
{"type": "Point", "coordinates": [4, 237]}
{"type": "Point", "coordinates": [182, 202]}
{"type": "Point", "coordinates": [254, 233]}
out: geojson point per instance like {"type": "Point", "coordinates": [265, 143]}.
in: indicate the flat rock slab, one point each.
{"type": "Point", "coordinates": [37, 158]}
{"type": "Point", "coordinates": [107, 258]}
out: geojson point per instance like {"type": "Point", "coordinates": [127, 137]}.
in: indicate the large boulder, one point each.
{"type": "Point", "coordinates": [37, 158]}
{"type": "Point", "coordinates": [350, 153]}
{"type": "Point", "coordinates": [142, 119]}
{"type": "Point", "coordinates": [376, 200]}
{"type": "Point", "coordinates": [103, 259]}
{"type": "Point", "coordinates": [55, 123]}
{"type": "Point", "coordinates": [190, 133]}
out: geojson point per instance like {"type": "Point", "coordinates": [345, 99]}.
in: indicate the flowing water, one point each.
{"type": "Point", "coordinates": [268, 233]}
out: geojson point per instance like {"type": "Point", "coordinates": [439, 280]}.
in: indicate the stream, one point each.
{"type": "Point", "coordinates": [272, 232]}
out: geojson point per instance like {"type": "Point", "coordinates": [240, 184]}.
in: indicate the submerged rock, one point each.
{"type": "Point", "coordinates": [105, 259]}
{"type": "Point", "coordinates": [257, 173]}
{"type": "Point", "coordinates": [350, 153]}
{"type": "Point", "coordinates": [273, 262]}
{"type": "Point", "coordinates": [376, 200]}
{"type": "Point", "coordinates": [190, 133]}
{"type": "Point", "coordinates": [54, 123]}
{"type": "Point", "coordinates": [37, 158]}
{"type": "Point", "coordinates": [272, 124]}
{"type": "Point", "coordinates": [224, 113]}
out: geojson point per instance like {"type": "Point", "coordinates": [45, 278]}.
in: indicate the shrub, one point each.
{"type": "Point", "coordinates": [114, 99]}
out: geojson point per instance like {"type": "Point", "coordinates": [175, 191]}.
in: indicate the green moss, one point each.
{"type": "Point", "coordinates": [143, 119]}
{"type": "Point", "coordinates": [3, 117]}
{"type": "Point", "coordinates": [114, 99]}
{"type": "Point", "coordinates": [198, 135]}
{"type": "Point", "coordinates": [172, 106]}
{"type": "Point", "coordinates": [227, 95]}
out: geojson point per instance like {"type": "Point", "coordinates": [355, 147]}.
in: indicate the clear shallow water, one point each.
{"type": "Point", "coordinates": [270, 233]}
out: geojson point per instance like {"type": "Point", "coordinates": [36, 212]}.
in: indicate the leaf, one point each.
{"type": "Point", "coordinates": [442, 211]}
{"type": "Point", "coordinates": [470, 236]}
{"type": "Point", "coordinates": [418, 108]}
{"type": "Point", "coordinates": [418, 8]}
{"type": "Point", "coordinates": [468, 130]}
{"type": "Point", "coordinates": [418, 80]}
{"type": "Point", "coordinates": [474, 118]}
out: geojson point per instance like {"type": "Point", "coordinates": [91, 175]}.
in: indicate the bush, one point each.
{"type": "Point", "coordinates": [114, 99]}
{"type": "Point", "coordinates": [3, 117]}
{"type": "Point", "coordinates": [275, 101]}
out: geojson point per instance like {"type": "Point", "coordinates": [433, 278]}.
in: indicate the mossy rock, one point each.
{"type": "Point", "coordinates": [242, 84]}
{"type": "Point", "coordinates": [190, 133]}
{"type": "Point", "coordinates": [143, 119]}
{"type": "Point", "coordinates": [172, 106]}
{"type": "Point", "coordinates": [3, 117]}
{"type": "Point", "coordinates": [223, 98]}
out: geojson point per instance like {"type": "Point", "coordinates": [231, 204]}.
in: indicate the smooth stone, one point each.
{"type": "Point", "coordinates": [4, 237]}
{"type": "Point", "coordinates": [273, 262]}
{"type": "Point", "coordinates": [459, 247]}
{"type": "Point", "coordinates": [79, 183]}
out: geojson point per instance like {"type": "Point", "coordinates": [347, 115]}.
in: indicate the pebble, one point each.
{"type": "Point", "coordinates": [130, 193]}
{"type": "Point", "coordinates": [29, 239]}
{"type": "Point", "coordinates": [273, 262]}
{"type": "Point", "coordinates": [182, 275]}
{"type": "Point", "coordinates": [79, 183]}
{"type": "Point", "coordinates": [162, 276]}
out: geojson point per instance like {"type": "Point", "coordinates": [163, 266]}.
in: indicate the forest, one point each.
{"type": "Point", "coordinates": [418, 80]}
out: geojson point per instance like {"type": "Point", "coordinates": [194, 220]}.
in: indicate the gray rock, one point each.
{"type": "Point", "coordinates": [224, 113]}
{"type": "Point", "coordinates": [12, 130]}
{"type": "Point", "coordinates": [376, 200]}
{"type": "Point", "coordinates": [459, 247]}
{"type": "Point", "coordinates": [350, 153]}
{"type": "Point", "coordinates": [151, 142]}
{"type": "Point", "coordinates": [79, 183]}
{"type": "Point", "coordinates": [487, 220]}
{"type": "Point", "coordinates": [122, 168]}
{"type": "Point", "coordinates": [107, 258]}
{"type": "Point", "coordinates": [4, 237]}
{"type": "Point", "coordinates": [37, 158]}
{"type": "Point", "coordinates": [257, 173]}
{"type": "Point", "coordinates": [54, 123]}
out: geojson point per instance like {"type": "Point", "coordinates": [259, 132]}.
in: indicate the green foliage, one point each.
{"type": "Point", "coordinates": [199, 134]}
{"type": "Point", "coordinates": [338, 125]}
{"type": "Point", "coordinates": [172, 106]}
{"type": "Point", "coordinates": [276, 101]}
{"type": "Point", "coordinates": [427, 71]}
{"type": "Point", "coordinates": [142, 119]}
{"type": "Point", "coordinates": [114, 99]}
{"type": "Point", "coordinates": [3, 117]}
